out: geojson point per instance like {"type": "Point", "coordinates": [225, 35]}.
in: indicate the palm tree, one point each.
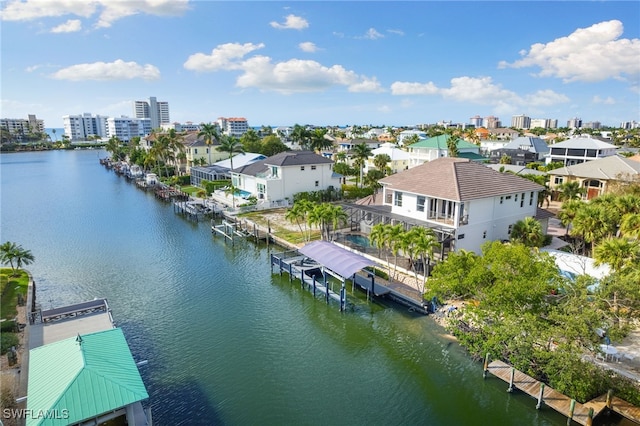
{"type": "Point", "coordinates": [393, 235]}
{"type": "Point", "coordinates": [619, 253]}
{"type": "Point", "coordinates": [300, 135]}
{"type": "Point", "coordinates": [528, 231]}
{"type": "Point", "coordinates": [11, 252]}
{"type": "Point", "coordinates": [231, 145]}
{"type": "Point", "coordinates": [361, 152]}
{"type": "Point", "coordinates": [298, 214]}
{"type": "Point", "coordinates": [318, 140]}
{"type": "Point", "coordinates": [570, 191]}
{"type": "Point", "coordinates": [336, 216]}
{"type": "Point", "coordinates": [568, 212]}
{"type": "Point", "coordinates": [377, 237]}
{"type": "Point", "coordinates": [630, 225]}
{"type": "Point", "coordinates": [381, 161]}
{"type": "Point", "coordinates": [420, 242]}
{"type": "Point", "coordinates": [231, 190]}
{"type": "Point", "coordinates": [593, 223]}
{"type": "Point", "coordinates": [452, 146]}
{"type": "Point", "coordinates": [210, 133]}
{"type": "Point", "coordinates": [54, 134]}
{"type": "Point", "coordinates": [113, 146]}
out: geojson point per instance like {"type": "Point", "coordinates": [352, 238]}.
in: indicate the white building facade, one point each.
{"type": "Point", "coordinates": [156, 111]}
{"type": "Point", "coordinates": [81, 127]}
{"type": "Point", "coordinates": [233, 126]}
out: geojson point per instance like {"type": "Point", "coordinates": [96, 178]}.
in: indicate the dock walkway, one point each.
{"type": "Point", "coordinates": [580, 413]}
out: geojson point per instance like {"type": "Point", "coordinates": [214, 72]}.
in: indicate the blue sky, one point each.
{"type": "Point", "coordinates": [323, 63]}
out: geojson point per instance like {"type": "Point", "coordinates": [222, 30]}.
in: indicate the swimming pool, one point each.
{"type": "Point", "coordinates": [242, 193]}
{"type": "Point", "coordinates": [359, 240]}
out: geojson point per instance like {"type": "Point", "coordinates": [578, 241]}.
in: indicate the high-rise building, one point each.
{"type": "Point", "coordinates": [18, 128]}
{"type": "Point", "coordinates": [80, 127]}
{"type": "Point", "coordinates": [545, 123]}
{"type": "Point", "coordinates": [233, 126]}
{"type": "Point", "coordinates": [574, 123]}
{"type": "Point", "coordinates": [476, 121]}
{"type": "Point", "coordinates": [126, 128]}
{"type": "Point", "coordinates": [492, 122]}
{"type": "Point", "coordinates": [156, 111]}
{"type": "Point", "coordinates": [521, 122]}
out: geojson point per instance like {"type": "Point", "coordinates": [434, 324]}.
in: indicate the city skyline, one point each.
{"type": "Point", "coordinates": [335, 63]}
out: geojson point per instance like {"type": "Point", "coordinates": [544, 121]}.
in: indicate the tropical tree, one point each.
{"type": "Point", "coordinates": [394, 243]}
{"type": "Point", "coordinates": [318, 141]}
{"type": "Point", "coordinates": [11, 252]}
{"type": "Point", "coordinates": [361, 152]}
{"type": "Point", "coordinates": [272, 145]}
{"type": "Point", "coordinates": [210, 133]}
{"type": "Point", "coordinates": [381, 162]}
{"type": "Point", "coordinates": [231, 145]}
{"type": "Point", "coordinates": [568, 212]}
{"type": "Point", "coordinates": [114, 147]}
{"type": "Point", "coordinates": [528, 231]}
{"type": "Point", "coordinates": [452, 146]}
{"type": "Point", "coordinates": [419, 243]}
{"type": "Point", "coordinates": [300, 135]}
{"type": "Point", "coordinates": [618, 253]}
{"type": "Point", "coordinates": [326, 217]}
{"type": "Point", "coordinates": [571, 191]}
{"type": "Point", "coordinates": [298, 214]}
{"type": "Point", "coordinates": [630, 225]}
{"type": "Point", "coordinates": [231, 190]}
{"type": "Point", "coordinates": [251, 141]}
{"type": "Point", "coordinates": [593, 223]}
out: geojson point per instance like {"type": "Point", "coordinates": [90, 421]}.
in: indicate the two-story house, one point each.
{"type": "Point", "coordinates": [475, 203]}
{"type": "Point", "coordinates": [436, 147]}
{"type": "Point", "coordinates": [579, 149]}
{"type": "Point", "coordinates": [596, 176]}
{"type": "Point", "coordinates": [281, 176]}
{"type": "Point", "coordinates": [522, 151]}
{"type": "Point", "coordinates": [399, 158]}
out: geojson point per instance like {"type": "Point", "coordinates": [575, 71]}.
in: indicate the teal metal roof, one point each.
{"type": "Point", "coordinates": [440, 142]}
{"type": "Point", "coordinates": [473, 156]}
{"type": "Point", "coordinates": [81, 378]}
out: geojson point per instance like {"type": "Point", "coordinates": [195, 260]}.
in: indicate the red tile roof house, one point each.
{"type": "Point", "coordinates": [478, 204]}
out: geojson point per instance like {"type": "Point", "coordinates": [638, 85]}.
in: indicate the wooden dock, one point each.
{"type": "Point", "coordinates": [580, 413]}
{"type": "Point", "coordinates": [550, 397]}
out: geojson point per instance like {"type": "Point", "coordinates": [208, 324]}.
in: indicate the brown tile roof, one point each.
{"type": "Point", "coordinates": [458, 179]}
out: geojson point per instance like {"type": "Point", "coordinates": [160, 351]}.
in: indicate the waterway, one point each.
{"type": "Point", "coordinates": [228, 342]}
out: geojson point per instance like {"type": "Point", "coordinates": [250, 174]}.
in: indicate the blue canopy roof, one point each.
{"type": "Point", "coordinates": [339, 260]}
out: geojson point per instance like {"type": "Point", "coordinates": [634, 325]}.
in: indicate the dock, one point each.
{"type": "Point", "coordinates": [582, 414]}
{"type": "Point", "coordinates": [308, 271]}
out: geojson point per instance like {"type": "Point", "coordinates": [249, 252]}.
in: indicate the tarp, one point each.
{"type": "Point", "coordinates": [341, 261]}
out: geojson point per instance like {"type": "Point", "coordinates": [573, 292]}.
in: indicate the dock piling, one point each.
{"type": "Point", "coordinates": [486, 366]}
{"type": "Point", "coordinates": [572, 408]}
{"type": "Point", "coordinates": [513, 375]}
{"type": "Point", "coordinates": [540, 397]}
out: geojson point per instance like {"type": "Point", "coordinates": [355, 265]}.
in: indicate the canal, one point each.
{"type": "Point", "coordinates": [229, 343]}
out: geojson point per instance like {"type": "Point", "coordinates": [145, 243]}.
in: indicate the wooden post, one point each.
{"type": "Point", "coordinates": [486, 366]}
{"type": "Point", "coordinates": [326, 285]}
{"type": "Point", "coordinates": [302, 278]}
{"type": "Point", "coordinates": [513, 374]}
{"type": "Point", "coordinates": [572, 407]}
{"type": "Point", "coordinates": [290, 274]}
{"type": "Point", "coordinates": [590, 417]}
{"type": "Point", "coordinates": [343, 298]}
{"type": "Point", "coordinates": [540, 397]}
{"type": "Point", "coordinates": [314, 285]}
{"type": "Point", "coordinates": [609, 398]}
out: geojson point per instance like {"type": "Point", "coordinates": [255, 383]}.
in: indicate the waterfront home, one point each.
{"type": "Point", "coordinates": [80, 369]}
{"type": "Point", "coordinates": [406, 134]}
{"type": "Point", "coordinates": [436, 147]}
{"type": "Point", "coordinates": [597, 176]}
{"type": "Point", "coordinates": [222, 169]}
{"type": "Point", "coordinates": [580, 149]}
{"type": "Point", "coordinates": [474, 203]}
{"type": "Point", "coordinates": [279, 177]}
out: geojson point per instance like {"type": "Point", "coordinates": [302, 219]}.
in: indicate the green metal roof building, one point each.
{"type": "Point", "coordinates": [82, 378]}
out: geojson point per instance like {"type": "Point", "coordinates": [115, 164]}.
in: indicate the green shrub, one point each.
{"type": "Point", "coordinates": [6, 341]}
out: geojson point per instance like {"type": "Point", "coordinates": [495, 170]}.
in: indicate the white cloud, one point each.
{"type": "Point", "coordinates": [223, 57]}
{"type": "Point", "coordinates": [607, 101]}
{"type": "Point", "coordinates": [294, 75]}
{"type": "Point", "coordinates": [308, 46]}
{"type": "Point", "coordinates": [117, 70]}
{"type": "Point", "coordinates": [292, 22]}
{"type": "Point", "coordinates": [407, 88]}
{"type": "Point", "coordinates": [588, 54]}
{"type": "Point", "coordinates": [372, 34]}
{"type": "Point", "coordinates": [71, 26]}
{"type": "Point", "coordinates": [480, 90]}
{"type": "Point", "coordinates": [109, 10]}
{"type": "Point", "coordinates": [396, 32]}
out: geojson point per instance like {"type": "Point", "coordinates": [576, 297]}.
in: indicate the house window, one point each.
{"type": "Point", "coordinates": [516, 200]}
{"type": "Point", "coordinates": [510, 228]}
{"type": "Point", "coordinates": [313, 167]}
{"type": "Point", "coordinates": [397, 199]}
{"type": "Point", "coordinates": [274, 171]}
{"type": "Point", "coordinates": [317, 183]}
{"type": "Point", "coordinates": [301, 168]}
{"type": "Point", "coordinates": [531, 198]}
{"type": "Point", "coordinates": [558, 180]}
{"type": "Point", "coordinates": [484, 234]}
{"type": "Point", "coordinates": [420, 203]}
{"type": "Point", "coordinates": [261, 188]}
{"type": "Point", "coordinates": [461, 236]}
{"type": "Point", "coordinates": [196, 150]}
{"type": "Point", "coordinates": [501, 200]}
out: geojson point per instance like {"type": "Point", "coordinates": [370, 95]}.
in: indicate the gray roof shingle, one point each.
{"type": "Point", "coordinates": [458, 179]}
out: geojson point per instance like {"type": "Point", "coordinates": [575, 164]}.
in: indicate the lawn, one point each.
{"type": "Point", "coordinates": [10, 287]}
{"type": "Point", "coordinates": [191, 190]}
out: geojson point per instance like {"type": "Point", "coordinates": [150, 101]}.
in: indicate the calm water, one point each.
{"type": "Point", "coordinates": [227, 342]}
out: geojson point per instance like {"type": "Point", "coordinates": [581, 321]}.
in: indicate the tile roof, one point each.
{"type": "Point", "coordinates": [87, 378]}
{"type": "Point", "coordinates": [458, 179]}
{"type": "Point", "coordinates": [604, 168]}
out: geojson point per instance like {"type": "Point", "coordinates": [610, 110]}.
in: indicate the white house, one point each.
{"type": "Point", "coordinates": [399, 158]}
{"type": "Point", "coordinates": [579, 149]}
{"type": "Point", "coordinates": [436, 147]}
{"type": "Point", "coordinates": [405, 134]}
{"type": "Point", "coordinates": [475, 203]}
{"type": "Point", "coordinates": [281, 176]}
